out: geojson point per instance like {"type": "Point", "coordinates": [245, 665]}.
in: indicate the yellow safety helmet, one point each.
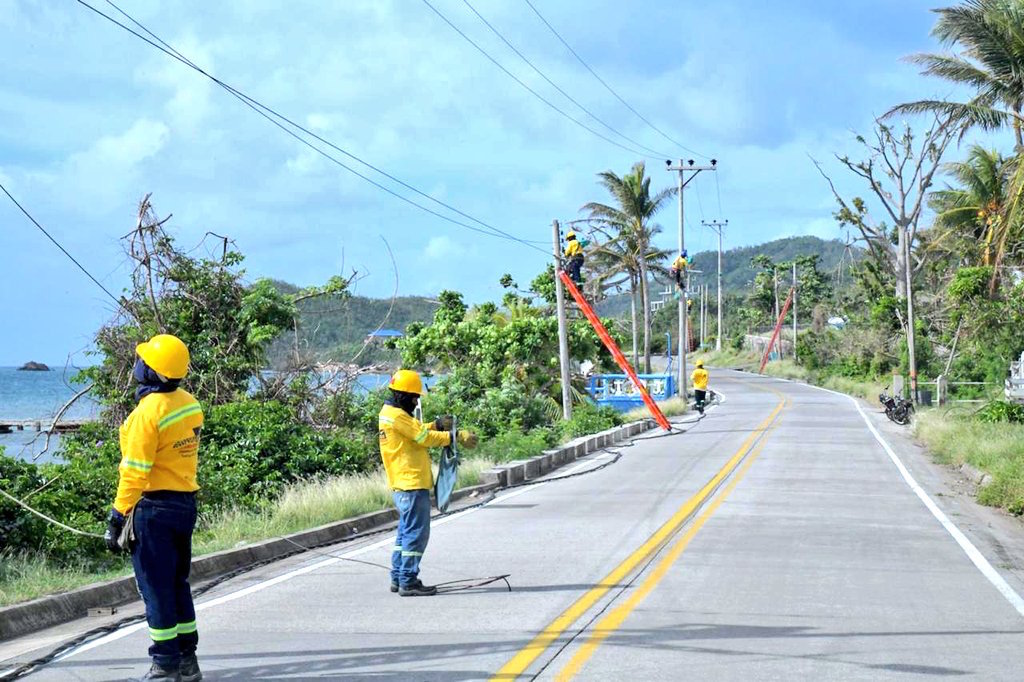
{"type": "Point", "coordinates": [406, 381]}
{"type": "Point", "coordinates": [166, 355]}
{"type": "Point", "coordinates": [700, 363]}
{"type": "Point", "coordinates": [570, 235]}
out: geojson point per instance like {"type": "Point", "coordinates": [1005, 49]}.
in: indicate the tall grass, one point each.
{"type": "Point", "coordinates": [673, 407]}
{"type": "Point", "coordinates": [25, 576]}
{"type": "Point", "coordinates": [996, 449]}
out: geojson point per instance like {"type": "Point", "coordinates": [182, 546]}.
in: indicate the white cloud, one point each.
{"type": "Point", "coordinates": [443, 248]}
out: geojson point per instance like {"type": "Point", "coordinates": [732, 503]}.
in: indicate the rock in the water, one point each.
{"type": "Point", "coordinates": [34, 367]}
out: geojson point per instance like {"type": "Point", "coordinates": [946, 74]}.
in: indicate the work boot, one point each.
{"type": "Point", "coordinates": [159, 673]}
{"type": "Point", "coordinates": [394, 586]}
{"type": "Point", "coordinates": [417, 589]}
{"type": "Point", "coordinates": [190, 671]}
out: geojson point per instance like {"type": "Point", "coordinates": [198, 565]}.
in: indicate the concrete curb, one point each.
{"type": "Point", "coordinates": [978, 477]}
{"type": "Point", "coordinates": [526, 470]}
{"type": "Point", "coordinates": [38, 614]}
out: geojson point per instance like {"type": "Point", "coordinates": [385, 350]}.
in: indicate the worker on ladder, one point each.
{"type": "Point", "coordinates": [700, 386]}
{"type": "Point", "coordinates": [574, 257]}
{"type": "Point", "coordinates": [404, 443]}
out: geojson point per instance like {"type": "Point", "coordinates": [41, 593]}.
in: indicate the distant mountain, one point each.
{"type": "Point", "coordinates": [336, 331]}
{"type": "Point", "coordinates": [737, 273]}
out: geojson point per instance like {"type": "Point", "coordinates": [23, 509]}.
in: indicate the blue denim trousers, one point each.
{"type": "Point", "coordinates": [413, 533]}
{"type": "Point", "coordinates": [162, 557]}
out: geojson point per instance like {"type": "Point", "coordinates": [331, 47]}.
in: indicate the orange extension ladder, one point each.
{"type": "Point", "coordinates": [613, 348]}
{"type": "Point", "coordinates": [775, 334]}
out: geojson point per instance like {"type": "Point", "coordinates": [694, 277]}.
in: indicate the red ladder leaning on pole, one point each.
{"type": "Point", "coordinates": [613, 348]}
{"type": "Point", "coordinates": [775, 334]}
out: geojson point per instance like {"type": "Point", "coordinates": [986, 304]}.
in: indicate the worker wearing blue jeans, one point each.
{"type": "Point", "coordinates": [412, 536]}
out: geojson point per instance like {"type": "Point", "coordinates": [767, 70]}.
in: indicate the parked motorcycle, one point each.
{"type": "Point", "coordinates": [899, 410]}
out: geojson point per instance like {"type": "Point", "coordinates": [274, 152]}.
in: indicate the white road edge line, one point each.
{"type": "Point", "coordinates": [972, 552]}
{"type": "Point", "coordinates": [259, 587]}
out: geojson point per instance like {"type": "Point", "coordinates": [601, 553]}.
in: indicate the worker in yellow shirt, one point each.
{"type": "Point", "coordinates": [404, 443]}
{"type": "Point", "coordinates": [154, 513]}
{"type": "Point", "coordinates": [574, 256]}
{"type": "Point", "coordinates": [678, 270]}
{"type": "Point", "coordinates": [700, 385]}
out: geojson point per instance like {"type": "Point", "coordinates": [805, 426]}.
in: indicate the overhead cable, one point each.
{"type": "Point", "coordinates": [60, 246]}
{"type": "Point", "coordinates": [608, 87]}
{"type": "Point", "coordinates": [557, 87]}
{"type": "Point", "coordinates": [528, 88]}
{"type": "Point", "coordinates": [276, 118]}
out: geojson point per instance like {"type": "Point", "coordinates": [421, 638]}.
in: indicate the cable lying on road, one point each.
{"type": "Point", "coordinates": [448, 587]}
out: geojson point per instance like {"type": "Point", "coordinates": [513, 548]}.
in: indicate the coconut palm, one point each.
{"type": "Point", "coordinates": [973, 212]}
{"type": "Point", "coordinates": [990, 34]}
{"type": "Point", "coordinates": [630, 222]}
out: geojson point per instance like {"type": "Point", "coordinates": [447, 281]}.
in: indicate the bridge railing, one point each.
{"type": "Point", "coordinates": [616, 390]}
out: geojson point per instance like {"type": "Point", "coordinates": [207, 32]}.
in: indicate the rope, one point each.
{"type": "Point", "coordinates": [48, 519]}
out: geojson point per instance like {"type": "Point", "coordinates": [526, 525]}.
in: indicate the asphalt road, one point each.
{"type": "Point", "coordinates": [776, 539]}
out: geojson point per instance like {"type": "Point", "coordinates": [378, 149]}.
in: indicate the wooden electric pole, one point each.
{"type": "Point", "coordinates": [563, 334]}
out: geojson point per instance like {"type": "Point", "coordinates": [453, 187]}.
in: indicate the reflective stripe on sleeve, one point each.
{"type": "Point", "coordinates": [422, 435]}
{"type": "Point", "coordinates": [137, 464]}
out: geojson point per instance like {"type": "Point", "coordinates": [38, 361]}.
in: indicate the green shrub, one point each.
{"type": "Point", "coordinates": [513, 445]}
{"type": "Point", "coordinates": [1001, 411]}
{"type": "Point", "coordinates": [588, 418]}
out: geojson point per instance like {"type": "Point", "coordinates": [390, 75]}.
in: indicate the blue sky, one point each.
{"type": "Point", "coordinates": [91, 119]}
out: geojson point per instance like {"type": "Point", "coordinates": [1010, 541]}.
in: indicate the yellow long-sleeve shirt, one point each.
{"type": "Point", "coordinates": [700, 379]}
{"type": "Point", "coordinates": [404, 442]}
{"type": "Point", "coordinates": [573, 248]}
{"type": "Point", "coordinates": [159, 447]}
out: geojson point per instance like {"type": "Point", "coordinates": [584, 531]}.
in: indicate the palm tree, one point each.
{"type": "Point", "coordinates": [615, 264]}
{"type": "Point", "coordinates": [630, 220]}
{"type": "Point", "coordinates": [974, 211]}
{"type": "Point", "coordinates": [991, 35]}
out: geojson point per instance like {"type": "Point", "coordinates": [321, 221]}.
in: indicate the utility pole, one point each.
{"type": "Point", "coordinates": [563, 335]}
{"type": "Point", "coordinates": [794, 309]}
{"type": "Point", "coordinates": [911, 350]}
{"type": "Point", "coordinates": [777, 308]}
{"type": "Point", "coordinates": [717, 226]}
{"type": "Point", "coordinates": [681, 184]}
{"type": "Point", "coordinates": [703, 312]}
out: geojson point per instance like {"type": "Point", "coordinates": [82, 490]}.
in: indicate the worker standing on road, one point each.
{"type": "Point", "coordinates": [700, 386]}
{"type": "Point", "coordinates": [404, 443]}
{"type": "Point", "coordinates": [574, 257]}
{"type": "Point", "coordinates": [156, 504]}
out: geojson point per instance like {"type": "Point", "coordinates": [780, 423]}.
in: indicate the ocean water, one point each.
{"type": "Point", "coordinates": [37, 395]}
{"type": "Point", "coordinates": [40, 395]}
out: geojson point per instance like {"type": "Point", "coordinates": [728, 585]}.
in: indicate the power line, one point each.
{"type": "Point", "coordinates": [557, 87]}
{"type": "Point", "coordinates": [608, 87]}
{"type": "Point", "coordinates": [528, 88]}
{"type": "Point", "coordinates": [60, 246]}
{"type": "Point", "coordinates": [270, 114]}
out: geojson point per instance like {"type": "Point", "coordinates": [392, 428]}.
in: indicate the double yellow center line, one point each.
{"type": "Point", "coordinates": [539, 644]}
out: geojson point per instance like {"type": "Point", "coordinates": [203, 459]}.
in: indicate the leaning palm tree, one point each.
{"type": "Point", "coordinates": [630, 222]}
{"type": "Point", "coordinates": [973, 212]}
{"type": "Point", "coordinates": [990, 34]}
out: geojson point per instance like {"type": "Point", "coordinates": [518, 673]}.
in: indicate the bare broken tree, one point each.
{"type": "Point", "coordinates": [899, 169]}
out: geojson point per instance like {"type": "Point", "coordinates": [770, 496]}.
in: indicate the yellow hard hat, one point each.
{"type": "Point", "coordinates": [407, 381]}
{"type": "Point", "coordinates": [166, 355]}
{"type": "Point", "coordinates": [700, 363]}
{"type": "Point", "coordinates": [570, 235]}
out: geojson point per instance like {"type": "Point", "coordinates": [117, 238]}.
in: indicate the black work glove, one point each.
{"type": "Point", "coordinates": [115, 522]}
{"type": "Point", "coordinates": [444, 423]}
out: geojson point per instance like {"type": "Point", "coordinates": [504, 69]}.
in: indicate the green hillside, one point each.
{"type": "Point", "coordinates": [335, 331]}
{"type": "Point", "coordinates": [737, 274]}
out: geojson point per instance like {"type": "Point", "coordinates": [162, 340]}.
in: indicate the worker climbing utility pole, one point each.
{"type": "Point", "coordinates": [681, 184]}
{"type": "Point", "coordinates": [717, 227]}
{"type": "Point", "coordinates": [563, 335]}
